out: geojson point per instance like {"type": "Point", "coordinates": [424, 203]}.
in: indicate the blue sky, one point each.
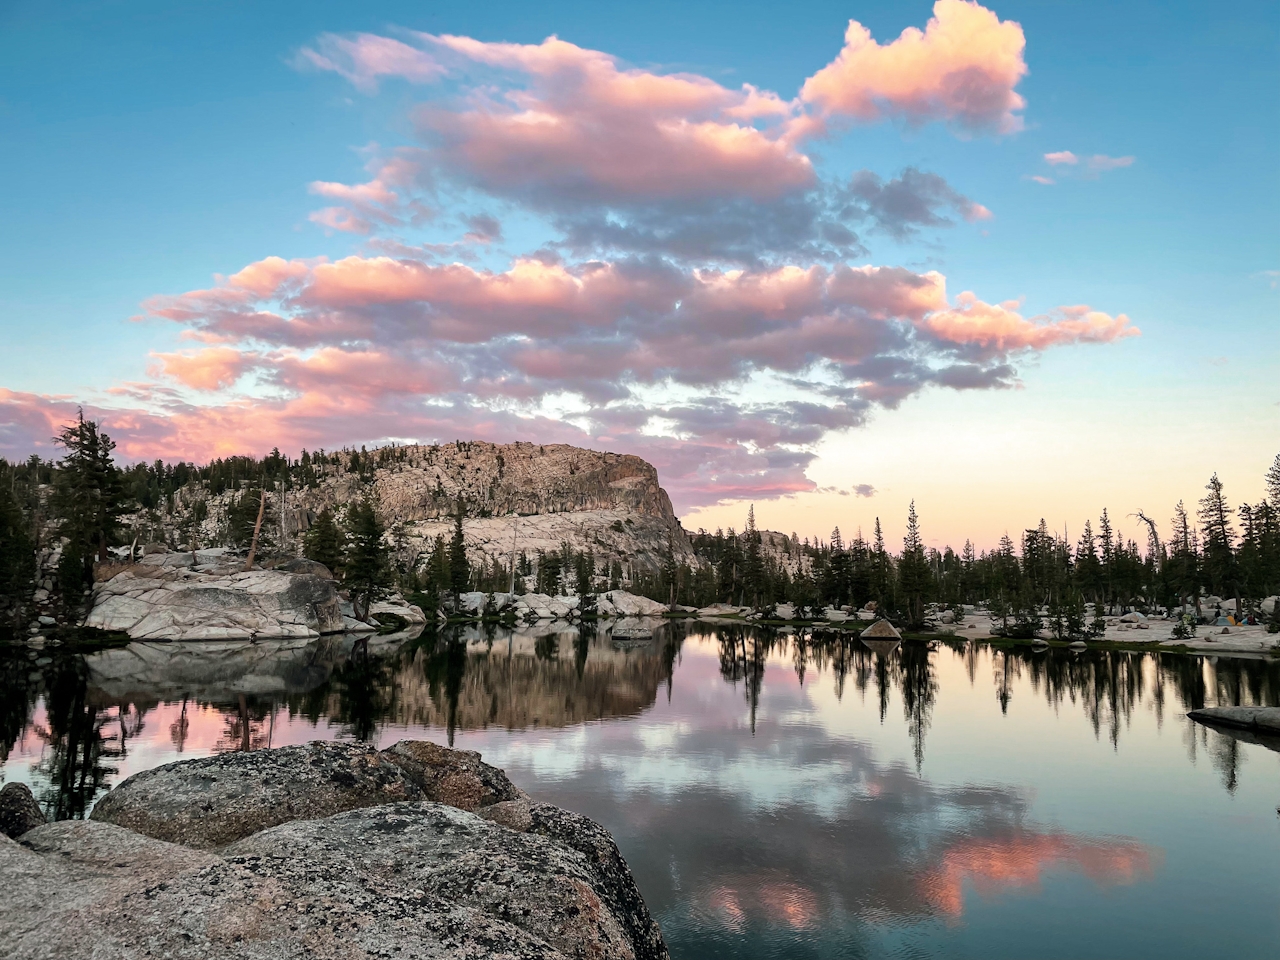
{"type": "Point", "coordinates": [149, 148]}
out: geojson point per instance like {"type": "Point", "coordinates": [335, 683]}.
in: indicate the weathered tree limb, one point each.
{"type": "Point", "coordinates": [257, 528]}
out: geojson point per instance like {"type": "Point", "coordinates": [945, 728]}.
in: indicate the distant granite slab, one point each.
{"type": "Point", "coordinates": [343, 874]}
{"type": "Point", "coordinates": [1264, 720]}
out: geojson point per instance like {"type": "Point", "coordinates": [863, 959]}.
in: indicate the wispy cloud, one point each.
{"type": "Point", "coordinates": [1090, 167]}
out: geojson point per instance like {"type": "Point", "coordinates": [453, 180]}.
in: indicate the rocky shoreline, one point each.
{"type": "Point", "coordinates": [321, 850]}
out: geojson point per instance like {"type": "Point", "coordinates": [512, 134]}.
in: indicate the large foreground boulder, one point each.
{"type": "Point", "coordinates": [414, 878]}
{"type": "Point", "coordinates": [178, 597]}
{"type": "Point", "coordinates": [217, 800]}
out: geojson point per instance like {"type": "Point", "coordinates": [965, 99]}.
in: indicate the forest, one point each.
{"type": "Point", "coordinates": [1213, 549]}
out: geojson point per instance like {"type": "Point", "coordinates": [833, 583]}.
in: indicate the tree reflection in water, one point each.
{"type": "Point", "coordinates": [82, 738]}
{"type": "Point", "coordinates": [78, 733]}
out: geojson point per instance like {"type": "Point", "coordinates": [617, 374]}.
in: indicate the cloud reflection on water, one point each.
{"type": "Point", "coordinates": [767, 789]}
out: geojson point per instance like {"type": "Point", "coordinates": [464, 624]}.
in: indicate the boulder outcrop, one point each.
{"type": "Point", "coordinates": [416, 877]}
{"type": "Point", "coordinates": [202, 596]}
{"type": "Point", "coordinates": [19, 811]}
{"type": "Point", "coordinates": [541, 606]}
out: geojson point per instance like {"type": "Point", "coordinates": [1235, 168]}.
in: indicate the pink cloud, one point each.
{"type": "Point", "coordinates": [962, 69]}
{"type": "Point", "coordinates": [1094, 165]}
{"type": "Point", "coordinates": [1000, 328]}
{"type": "Point", "coordinates": [1047, 181]}
{"type": "Point", "coordinates": [214, 368]}
{"type": "Point", "coordinates": [365, 57]}
{"type": "Point", "coordinates": [587, 128]}
{"type": "Point", "coordinates": [568, 125]}
{"type": "Point", "coordinates": [385, 200]}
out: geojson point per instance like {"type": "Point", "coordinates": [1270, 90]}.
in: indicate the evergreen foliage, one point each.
{"type": "Point", "coordinates": [323, 542]}
{"type": "Point", "coordinates": [366, 569]}
{"type": "Point", "coordinates": [459, 568]}
{"type": "Point", "coordinates": [1232, 551]}
{"type": "Point", "coordinates": [88, 499]}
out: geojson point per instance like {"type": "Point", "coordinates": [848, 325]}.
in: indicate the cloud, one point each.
{"type": "Point", "coordinates": [483, 228]}
{"type": "Point", "coordinates": [864, 490]}
{"type": "Point", "coordinates": [628, 160]}
{"type": "Point", "coordinates": [727, 378]}
{"type": "Point", "coordinates": [961, 69]}
{"type": "Point", "coordinates": [695, 304]}
{"type": "Point", "coordinates": [214, 368]}
{"type": "Point", "coordinates": [1100, 162]}
{"type": "Point", "coordinates": [364, 57]}
{"type": "Point", "coordinates": [913, 200]}
{"type": "Point", "coordinates": [1046, 181]}
{"type": "Point", "coordinates": [583, 130]}
{"type": "Point", "coordinates": [389, 199]}
{"type": "Point", "coordinates": [1093, 166]}
{"type": "Point", "coordinates": [999, 329]}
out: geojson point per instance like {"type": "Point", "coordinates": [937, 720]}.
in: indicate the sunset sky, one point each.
{"type": "Point", "coordinates": [1010, 261]}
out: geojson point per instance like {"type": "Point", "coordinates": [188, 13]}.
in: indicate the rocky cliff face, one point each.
{"type": "Point", "coordinates": [520, 497]}
{"type": "Point", "coordinates": [519, 478]}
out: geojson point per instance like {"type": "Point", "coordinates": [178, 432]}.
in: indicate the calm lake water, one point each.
{"type": "Point", "coordinates": [775, 796]}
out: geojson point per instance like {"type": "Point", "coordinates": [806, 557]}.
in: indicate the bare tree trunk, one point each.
{"type": "Point", "coordinates": [257, 528]}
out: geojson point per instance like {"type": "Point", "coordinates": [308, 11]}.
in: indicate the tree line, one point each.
{"type": "Point", "coordinates": [1233, 554]}
{"type": "Point", "coordinates": [1214, 549]}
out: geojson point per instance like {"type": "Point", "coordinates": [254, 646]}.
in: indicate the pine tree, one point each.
{"type": "Point", "coordinates": [242, 517]}
{"type": "Point", "coordinates": [752, 566]}
{"type": "Point", "coordinates": [1273, 484]}
{"type": "Point", "coordinates": [366, 569]}
{"type": "Point", "coordinates": [1087, 567]}
{"type": "Point", "coordinates": [880, 570]}
{"type": "Point", "coordinates": [323, 542]}
{"type": "Point", "coordinates": [89, 498]}
{"type": "Point", "coordinates": [17, 552]}
{"type": "Point", "coordinates": [459, 567]}
{"type": "Point", "coordinates": [1107, 538]}
{"type": "Point", "coordinates": [1219, 538]}
{"type": "Point", "coordinates": [913, 570]}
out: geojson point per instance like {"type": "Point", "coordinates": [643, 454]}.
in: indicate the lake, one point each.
{"type": "Point", "coordinates": [776, 794]}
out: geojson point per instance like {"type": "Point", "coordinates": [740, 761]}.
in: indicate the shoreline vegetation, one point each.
{"type": "Point", "coordinates": [82, 520]}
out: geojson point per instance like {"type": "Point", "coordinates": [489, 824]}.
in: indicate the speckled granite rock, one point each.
{"type": "Point", "coordinates": [217, 800]}
{"type": "Point", "coordinates": [19, 811]}
{"type": "Point", "coordinates": [458, 778]}
{"type": "Point", "coordinates": [412, 879]}
{"type": "Point", "coordinates": [178, 597]}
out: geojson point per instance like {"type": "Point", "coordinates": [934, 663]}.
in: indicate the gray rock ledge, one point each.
{"type": "Point", "coordinates": [324, 851]}
{"type": "Point", "coordinates": [1264, 720]}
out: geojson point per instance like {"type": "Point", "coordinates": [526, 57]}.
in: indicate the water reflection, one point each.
{"type": "Point", "coordinates": [783, 793]}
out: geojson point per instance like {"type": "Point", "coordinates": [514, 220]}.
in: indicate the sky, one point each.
{"type": "Point", "coordinates": [1010, 262]}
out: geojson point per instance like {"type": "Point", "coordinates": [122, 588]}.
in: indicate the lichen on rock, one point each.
{"type": "Point", "coordinates": [296, 852]}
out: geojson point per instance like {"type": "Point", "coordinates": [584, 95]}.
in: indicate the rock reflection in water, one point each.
{"type": "Point", "coordinates": [777, 792]}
